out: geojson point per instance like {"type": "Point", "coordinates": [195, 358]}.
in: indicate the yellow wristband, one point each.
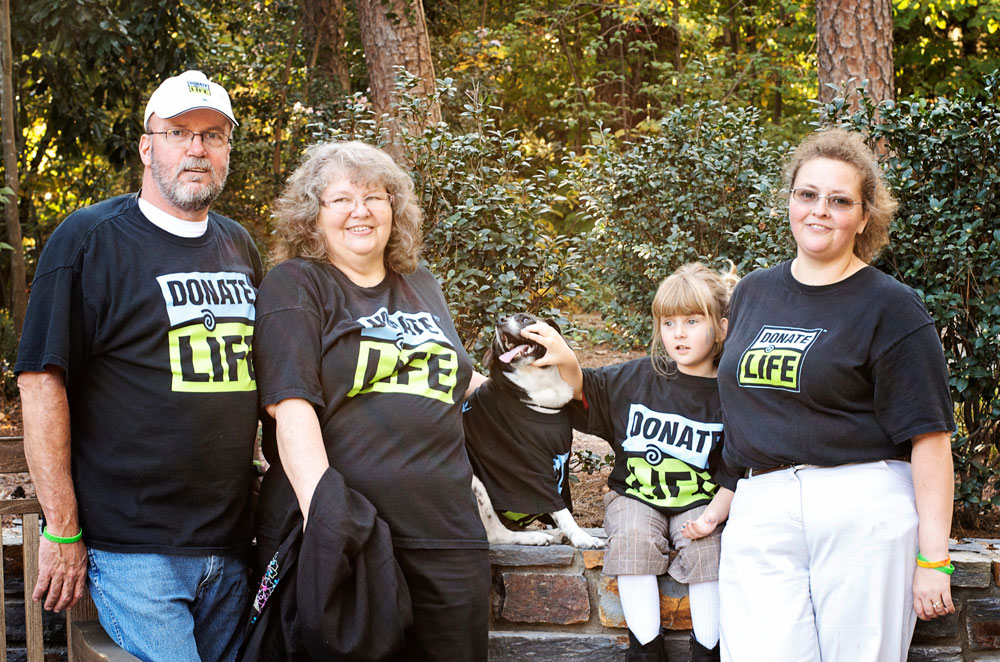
{"type": "Point", "coordinates": [941, 566]}
{"type": "Point", "coordinates": [924, 563]}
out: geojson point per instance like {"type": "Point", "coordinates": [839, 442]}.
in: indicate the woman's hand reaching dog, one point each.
{"type": "Point", "coordinates": [557, 353]}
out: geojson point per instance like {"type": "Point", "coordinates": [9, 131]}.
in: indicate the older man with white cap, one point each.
{"type": "Point", "coordinates": [139, 397]}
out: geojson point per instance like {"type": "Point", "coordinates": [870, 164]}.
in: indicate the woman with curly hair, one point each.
{"type": "Point", "coordinates": [835, 395]}
{"type": "Point", "coordinates": [361, 372]}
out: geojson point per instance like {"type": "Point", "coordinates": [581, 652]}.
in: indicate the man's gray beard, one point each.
{"type": "Point", "coordinates": [188, 197]}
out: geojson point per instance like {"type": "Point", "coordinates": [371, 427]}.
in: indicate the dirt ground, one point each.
{"type": "Point", "coordinates": [588, 490]}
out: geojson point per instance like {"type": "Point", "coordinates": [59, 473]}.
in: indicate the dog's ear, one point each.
{"type": "Point", "coordinates": [488, 357]}
{"type": "Point", "coordinates": [553, 324]}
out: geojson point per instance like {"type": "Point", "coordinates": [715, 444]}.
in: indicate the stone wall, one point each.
{"type": "Point", "coordinates": [553, 604]}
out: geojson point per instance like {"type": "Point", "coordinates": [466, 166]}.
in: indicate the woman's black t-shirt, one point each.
{"type": "Point", "coordinates": [387, 373]}
{"type": "Point", "coordinates": [826, 375]}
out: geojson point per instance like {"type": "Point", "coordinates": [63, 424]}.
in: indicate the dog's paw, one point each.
{"type": "Point", "coordinates": [586, 541]}
{"type": "Point", "coordinates": [537, 538]}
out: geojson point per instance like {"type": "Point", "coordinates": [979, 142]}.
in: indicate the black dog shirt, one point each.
{"type": "Point", "coordinates": [520, 454]}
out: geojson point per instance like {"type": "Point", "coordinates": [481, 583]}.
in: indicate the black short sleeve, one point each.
{"type": "Point", "coordinates": [597, 419]}
{"type": "Point", "coordinates": [288, 335]}
{"type": "Point", "coordinates": [56, 332]}
{"type": "Point", "coordinates": [911, 387]}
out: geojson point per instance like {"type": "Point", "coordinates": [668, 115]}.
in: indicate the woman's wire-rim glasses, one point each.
{"type": "Point", "coordinates": [347, 204]}
{"type": "Point", "coordinates": [834, 201]}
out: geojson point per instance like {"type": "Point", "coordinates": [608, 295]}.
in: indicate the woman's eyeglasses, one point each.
{"type": "Point", "coordinates": [346, 204]}
{"type": "Point", "coordinates": [834, 201]}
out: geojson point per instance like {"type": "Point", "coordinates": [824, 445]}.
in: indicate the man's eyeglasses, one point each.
{"type": "Point", "coordinates": [346, 204]}
{"type": "Point", "coordinates": [210, 139]}
{"type": "Point", "coordinates": [834, 201]}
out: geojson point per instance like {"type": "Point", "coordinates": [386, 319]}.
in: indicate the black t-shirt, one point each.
{"type": "Point", "coordinates": [387, 374]}
{"type": "Point", "coordinates": [666, 432]}
{"type": "Point", "coordinates": [830, 374]}
{"type": "Point", "coordinates": [154, 332]}
{"type": "Point", "coordinates": [520, 454]}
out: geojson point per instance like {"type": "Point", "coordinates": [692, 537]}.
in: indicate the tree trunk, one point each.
{"type": "Point", "coordinates": [394, 33]}
{"type": "Point", "coordinates": [338, 61]}
{"type": "Point", "coordinates": [854, 40]}
{"type": "Point", "coordinates": [18, 281]}
{"type": "Point", "coordinates": [324, 27]}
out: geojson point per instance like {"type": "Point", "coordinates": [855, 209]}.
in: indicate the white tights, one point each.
{"type": "Point", "coordinates": [640, 598]}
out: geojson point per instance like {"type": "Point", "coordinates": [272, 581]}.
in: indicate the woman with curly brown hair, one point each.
{"type": "Point", "coordinates": [836, 402]}
{"type": "Point", "coordinates": [360, 371]}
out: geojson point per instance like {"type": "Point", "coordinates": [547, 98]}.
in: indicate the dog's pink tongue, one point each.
{"type": "Point", "coordinates": [507, 357]}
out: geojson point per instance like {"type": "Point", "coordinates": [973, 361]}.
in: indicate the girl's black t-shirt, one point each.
{"type": "Point", "coordinates": [666, 432]}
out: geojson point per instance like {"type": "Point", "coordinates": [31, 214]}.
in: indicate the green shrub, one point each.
{"type": "Point", "coordinates": [698, 186]}
{"type": "Point", "coordinates": [8, 357]}
{"type": "Point", "coordinates": [943, 162]}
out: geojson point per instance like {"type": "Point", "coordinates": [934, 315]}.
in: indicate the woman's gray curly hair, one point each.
{"type": "Point", "coordinates": [880, 205]}
{"type": "Point", "coordinates": [297, 210]}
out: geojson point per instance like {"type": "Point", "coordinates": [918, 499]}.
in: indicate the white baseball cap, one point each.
{"type": "Point", "coordinates": [189, 91]}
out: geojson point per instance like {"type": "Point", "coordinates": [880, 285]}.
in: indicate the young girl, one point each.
{"type": "Point", "coordinates": [662, 417]}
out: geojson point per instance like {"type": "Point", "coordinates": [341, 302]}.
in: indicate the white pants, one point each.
{"type": "Point", "coordinates": [817, 564]}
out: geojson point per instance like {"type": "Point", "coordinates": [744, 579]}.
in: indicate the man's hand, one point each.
{"type": "Point", "coordinates": [62, 574]}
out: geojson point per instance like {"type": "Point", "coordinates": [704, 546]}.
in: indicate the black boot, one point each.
{"type": "Point", "coordinates": [701, 654]}
{"type": "Point", "coordinates": [652, 651]}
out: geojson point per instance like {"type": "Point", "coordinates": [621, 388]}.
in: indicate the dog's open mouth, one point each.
{"type": "Point", "coordinates": [512, 354]}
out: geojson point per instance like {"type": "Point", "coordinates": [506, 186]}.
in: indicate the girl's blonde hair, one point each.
{"type": "Point", "coordinates": [693, 289]}
{"type": "Point", "coordinates": [296, 212]}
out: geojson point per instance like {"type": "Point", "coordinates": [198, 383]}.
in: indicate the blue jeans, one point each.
{"type": "Point", "coordinates": [170, 608]}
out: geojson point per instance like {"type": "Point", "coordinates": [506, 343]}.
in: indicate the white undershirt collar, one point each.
{"type": "Point", "coordinates": [172, 224]}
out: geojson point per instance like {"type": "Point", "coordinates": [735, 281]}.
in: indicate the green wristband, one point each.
{"type": "Point", "coordinates": [946, 569]}
{"type": "Point", "coordinates": [59, 539]}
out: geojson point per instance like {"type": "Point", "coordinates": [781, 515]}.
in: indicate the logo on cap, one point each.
{"type": "Point", "coordinates": [199, 88]}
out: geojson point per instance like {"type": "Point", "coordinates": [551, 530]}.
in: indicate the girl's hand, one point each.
{"type": "Point", "coordinates": [557, 352]}
{"type": "Point", "coordinates": [931, 593]}
{"type": "Point", "coordinates": [701, 527]}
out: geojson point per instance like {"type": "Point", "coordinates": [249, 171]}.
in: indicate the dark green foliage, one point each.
{"type": "Point", "coordinates": [944, 165]}
{"type": "Point", "coordinates": [700, 186]}
{"type": "Point", "coordinates": [8, 357]}
{"type": "Point", "coordinates": [939, 48]}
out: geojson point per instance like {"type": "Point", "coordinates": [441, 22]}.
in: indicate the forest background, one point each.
{"type": "Point", "coordinates": [569, 153]}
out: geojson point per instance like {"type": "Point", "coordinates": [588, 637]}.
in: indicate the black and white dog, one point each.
{"type": "Point", "coordinates": [519, 440]}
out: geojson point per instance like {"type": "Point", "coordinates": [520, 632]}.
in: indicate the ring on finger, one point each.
{"type": "Point", "coordinates": [937, 605]}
